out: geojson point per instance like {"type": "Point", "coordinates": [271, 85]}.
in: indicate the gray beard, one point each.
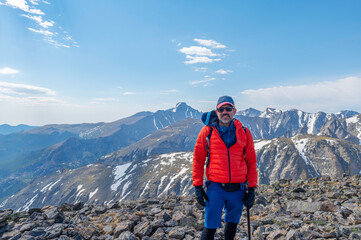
{"type": "Point", "coordinates": [225, 121]}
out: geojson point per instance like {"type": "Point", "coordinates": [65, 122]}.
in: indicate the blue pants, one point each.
{"type": "Point", "coordinates": [219, 199]}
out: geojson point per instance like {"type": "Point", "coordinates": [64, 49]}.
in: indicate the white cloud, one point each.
{"type": "Point", "coordinates": [209, 43]}
{"type": "Point", "coordinates": [27, 95]}
{"type": "Point", "coordinates": [7, 70]}
{"type": "Point", "coordinates": [43, 101]}
{"type": "Point", "coordinates": [68, 38]}
{"type": "Point", "coordinates": [200, 69]}
{"type": "Point", "coordinates": [23, 89]}
{"type": "Point", "coordinates": [196, 59]}
{"type": "Point", "coordinates": [39, 20]}
{"type": "Point", "coordinates": [205, 82]}
{"type": "Point", "coordinates": [198, 51]}
{"type": "Point", "coordinates": [42, 32]}
{"type": "Point", "coordinates": [36, 15]}
{"type": "Point", "coordinates": [222, 71]}
{"type": "Point", "coordinates": [34, 2]}
{"type": "Point", "coordinates": [23, 5]}
{"type": "Point", "coordinates": [128, 93]}
{"type": "Point", "coordinates": [200, 54]}
{"type": "Point", "coordinates": [103, 100]}
{"type": "Point", "coordinates": [327, 96]}
{"type": "Point", "coordinates": [169, 91]}
{"type": "Point", "coordinates": [55, 43]}
{"type": "Point", "coordinates": [31, 101]}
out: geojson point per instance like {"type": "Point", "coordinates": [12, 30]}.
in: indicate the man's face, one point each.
{"type": "Point", "coordinates": [225, 113]}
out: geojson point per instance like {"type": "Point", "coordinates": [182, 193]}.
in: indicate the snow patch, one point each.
{"type": "Point", "coordinates": [155, 124]}
{"type": "Point", "coordinates": [93, 193]}
{"type": "Point", "coordinates": [270, 112]}
{"type": "Point", "coordinates": [28, 204]}
{"type": "Point", "coordinates": [49, 186]}
{"type": "Point", "coordinates": [331, 142]}
{"type": "Point", "coordinates": [300, 146]}
{"type": "Point", "coordinates": [125, 187]}
{"type": "Point", "coordinates": [79, 194]}
{"type": "Point", "coordinates": [161, 181]}
{"type": "Point", "coordinates": [299, 113]}
{"type": "Point", "coordinates": [353, 119]}
{"type": "Point", "coordinates": [183, 171]}
{"type": "Point", "coordinates": [119, 172]}
{"type": "Point", "coordinates": [148, 160]}
{"type": "Point", "coordinates": [311, 123]}
{"type": "Point", "coordinates": [124, 197]}
{"type": "Point", "coordinates": [4, 202]}
{"type": "Point", "coordinates": [172, 157]}
{"type": "Point", "coordinates": [145, 188]}
{"type": "Point", "coordinates": [258, 145]}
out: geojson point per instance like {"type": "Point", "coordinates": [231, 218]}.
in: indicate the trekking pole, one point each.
{"type": "Point", "coordinates": [249, 224]}
{"type": "Point", "coordinates": [248, 215]}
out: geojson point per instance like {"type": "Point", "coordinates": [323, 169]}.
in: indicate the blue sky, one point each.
{"type": "Point", "coordinates": [90, 61]}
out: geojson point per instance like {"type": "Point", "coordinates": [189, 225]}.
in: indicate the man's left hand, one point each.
{"type": "Point", "coordinates": [249, 198]}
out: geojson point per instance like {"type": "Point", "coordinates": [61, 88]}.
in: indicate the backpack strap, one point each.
{"type": "Point", "coordinates": [208, 138]}
{"type": "Point", "coordinates": [244, 149]}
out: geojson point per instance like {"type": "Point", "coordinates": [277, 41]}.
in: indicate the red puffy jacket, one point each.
{"type": "Point", "coordinates": [234, 165]}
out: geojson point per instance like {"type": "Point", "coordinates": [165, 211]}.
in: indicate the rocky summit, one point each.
{"type": "Point", "coordinates": [323, 208]}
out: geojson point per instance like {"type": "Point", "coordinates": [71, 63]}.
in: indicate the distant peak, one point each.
{"type": "Point", "coordinates": [249, 112]}
{"type": "Point", "coordinates": [347, 114]}
{"type": "Point", "coordinates": [181, 104]}
{"type": "Point", "coordinates": [269, 112]}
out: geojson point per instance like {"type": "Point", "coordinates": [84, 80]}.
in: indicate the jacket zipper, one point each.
{"type": "Point", "coordinates": [229, 165]}
{"type": "Point", "coordinates": [229, 157]}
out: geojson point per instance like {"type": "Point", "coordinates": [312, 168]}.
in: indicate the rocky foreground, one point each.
{"type": "Point", "coordinates": [316, 208]}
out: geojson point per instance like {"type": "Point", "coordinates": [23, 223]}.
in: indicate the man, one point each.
{"type": "Point", "coordinates": [227, 150]}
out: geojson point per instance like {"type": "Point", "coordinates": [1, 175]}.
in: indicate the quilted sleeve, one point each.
{"type": "Point", "coordinates": [251, 160]}
{"type": "Point", "coordinates": [199, 156]}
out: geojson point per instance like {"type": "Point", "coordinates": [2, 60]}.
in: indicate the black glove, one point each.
{"type": "Point", "coordinates": [201, 195]}
{"type": "Point", "coordinates": [248, 199]}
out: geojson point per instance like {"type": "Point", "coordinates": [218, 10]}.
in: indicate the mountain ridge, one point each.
{"type": "Point", "coordinates": [148, 135]}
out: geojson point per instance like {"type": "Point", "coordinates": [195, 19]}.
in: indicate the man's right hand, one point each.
{"type": "Point", "coordinates": [201, 195]}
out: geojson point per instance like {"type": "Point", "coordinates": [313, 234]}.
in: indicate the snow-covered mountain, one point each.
{"type": "Point", "coordinates": [289, 144]}
{"type": "Point", "coordinates": [250, 112]}
{"type": "Point", "coordinates": [298, 157]}
{"type": "Point", "coordinates": [81, 144]}
{"type": "Point", "coordinates": [158, 120]}
{"type": "Point", "coordinates": [273, 123]}
{"type": "Point", "coordinates": [306, 156]}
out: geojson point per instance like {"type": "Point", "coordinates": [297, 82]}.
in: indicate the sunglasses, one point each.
{"type": "Point", "coordinates": [228, 109]}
